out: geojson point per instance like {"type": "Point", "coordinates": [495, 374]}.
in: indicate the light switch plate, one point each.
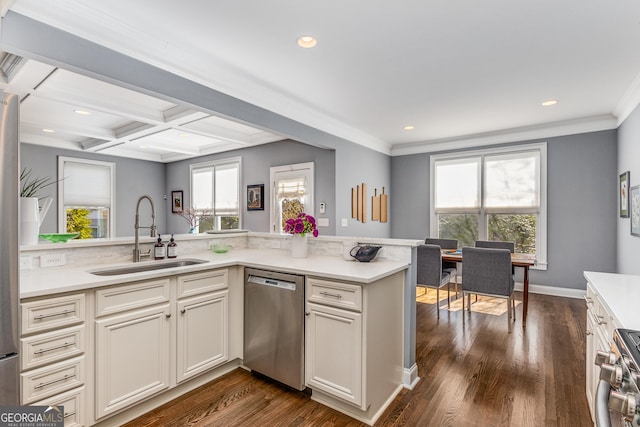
{"type": "Point", "coordinates": [323, 222]}
{"type": "Point", "coordinates": [345, 222]}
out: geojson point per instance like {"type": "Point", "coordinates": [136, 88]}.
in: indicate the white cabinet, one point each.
{"type": "Point", "coordinates": [53, 345]}
{"type": "Point", "coordinates": [600, 326]}
{"type": "Point", "coordinates": [202, 323]}
{"type": "Point", "coordinates": [353, 344]}
{"type": "Point", "coordinates": [153, 335]}
{"type": "Point", "coordinates": [132, 344]}
{"type": "Point", "coordinates": [334, 352]}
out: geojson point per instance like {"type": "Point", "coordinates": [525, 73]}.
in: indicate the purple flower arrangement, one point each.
{"type": "Point", "coordinates": [302, 224]}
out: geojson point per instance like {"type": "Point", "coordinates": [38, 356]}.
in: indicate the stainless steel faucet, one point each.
{"type": "Point", "coordinates": [136, 247]}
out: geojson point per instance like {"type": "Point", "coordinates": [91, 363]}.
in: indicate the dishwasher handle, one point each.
{"type": "Point", "coordinates": [266, 281]}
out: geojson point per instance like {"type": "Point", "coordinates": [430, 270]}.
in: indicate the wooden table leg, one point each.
{"type": "Point", "coordinates": [525, 297]}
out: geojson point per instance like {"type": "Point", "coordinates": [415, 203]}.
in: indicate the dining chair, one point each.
{"type": "Point", "coordinates": [498, 244]}
{"type": "Point", "coordinates": [430, 273]}
{"type": "Point", "coordinates": [487, 271]}
{"type": "Point", "coordinates": [448, 266]}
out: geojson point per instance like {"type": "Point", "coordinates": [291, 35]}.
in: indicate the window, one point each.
{"type": "Point", "coordinates": [497, 194]}
{"type": "Point", "coordinates": [86, 197]}
{"type": "Point", "coordinates": [215, 189]}
{"type": "Point", "coordinates": [291, 193]}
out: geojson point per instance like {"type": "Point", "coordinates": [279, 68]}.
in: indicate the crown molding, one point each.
{"type": "Point", "coordinates": [628, 102]}
{"type": "Point", "coordinates": [550, 130]}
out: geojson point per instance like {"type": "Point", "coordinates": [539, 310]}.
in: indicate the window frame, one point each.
{"type": "Point", "coordinates": [62, 214]}
{"type": "Point", "coordinates": [213, 164]}
{"type": "Point", "coordinates": [309, 172]}
{"type": "Point", "coordinates": [483, 211]}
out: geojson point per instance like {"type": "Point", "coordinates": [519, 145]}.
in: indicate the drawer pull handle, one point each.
{"type": "Point", "coordinates": [66, 377]}
{"type": "Point", "coordinates": [599, 319]}
{"type": "Point", "coordinates": [588, 300]}
{"type": "Point", "coordinates": [329, 294]}
{"type": "Point", "coordinates": [61, 313]}
{"type": "Point", "coordinates": [57, 347]}
{"type": "Point", "coordinates": [69, 414]}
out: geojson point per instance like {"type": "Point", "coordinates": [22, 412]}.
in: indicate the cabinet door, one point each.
{"type": "Point", "coordinates": [334, 352]}
{"type": "Point", "coordinates": [132, 357]}
{"type": "Point", "coordinates": [203, 333]}
{"type": "Point", "coordinates": [592, 369]}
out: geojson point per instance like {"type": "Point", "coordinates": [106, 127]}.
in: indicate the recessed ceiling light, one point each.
{"type": "Point", "coordinates": [48, 130]}
{"type": "Point", "coordinates": [307, 42]}
{"type": "Point", "coordinates": [82, 112]}
{"type": "Point", "coordinates": [549, 102]}
{"type": "Point", "coordinates": [409, 127]}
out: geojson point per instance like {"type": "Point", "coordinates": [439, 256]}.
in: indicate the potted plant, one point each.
{"type": "Point", "coordinates": [31, 213]}
{"type": "Point", "coordinates": [299, 227]}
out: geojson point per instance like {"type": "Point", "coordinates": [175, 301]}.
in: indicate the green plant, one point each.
{"type": "Point", "coordinates": [29, 186]}
{"type": "Point", "coordinates": [78, 222]}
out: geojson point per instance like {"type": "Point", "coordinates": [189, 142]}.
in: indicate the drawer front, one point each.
{"type": "Point", "coordinates": [131, 296]}
{"type": "Point", "coordinates": [73, 403]}
{"type": "Point", "coordinates": [52, 379]}
{"type": "Point", "coordinates": [52, 313]}
{"type": "Point", "coordinates": [336, 294]}
{"type": "Point", "coordinates": [41, 349]}
{"type": "Point", "coordinates": [199, 283]}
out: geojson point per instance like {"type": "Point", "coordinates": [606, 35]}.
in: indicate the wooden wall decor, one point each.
{"type": "Point", "coordinates": [379, 204]}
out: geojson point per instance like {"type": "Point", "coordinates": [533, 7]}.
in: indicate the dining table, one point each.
{"type": "Point", "coordinates": [521, 260]}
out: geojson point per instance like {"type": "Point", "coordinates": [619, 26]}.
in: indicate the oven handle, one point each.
{"type": "Point", "coordinates": [603, 418]}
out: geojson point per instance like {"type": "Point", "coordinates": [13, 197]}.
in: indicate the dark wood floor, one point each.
{"type": "Point", "coordinates": [478, 375]}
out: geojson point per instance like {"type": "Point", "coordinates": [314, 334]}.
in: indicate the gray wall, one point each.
{"type": "Point", "coordinates": [256, 162]}
{"type": "Point", "coordinates": [581, 205]}
{"type": "Point", "coordinates": [628, 160]}
{"type": "Point", "coordinates": [133, 179]}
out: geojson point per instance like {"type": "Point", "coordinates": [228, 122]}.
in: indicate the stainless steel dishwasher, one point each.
{"type": "Point", "coordinates": [274, 325]}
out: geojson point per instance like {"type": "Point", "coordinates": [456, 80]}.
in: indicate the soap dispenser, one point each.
{"type": "Point", "coordinates": [172, 248]}
{"type": "Point", "coordinates": [159, 250]}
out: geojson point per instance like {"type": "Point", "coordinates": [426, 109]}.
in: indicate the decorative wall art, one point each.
{"type": "Point", "coordinates": [176, 202]}
{"type": "Point", "coordinates": [624, 195]}
{"type": "Point", "coordinates": [634, 205]}
{"type": "Point", "coordinates": [255, 197]}
{"type": "Point", "coordinates": [379, 204]}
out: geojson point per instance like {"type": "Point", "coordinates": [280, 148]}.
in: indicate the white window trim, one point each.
{"type": "Point", "coordinates": [62, 215]}
{"type": "Point", "coordinates": [541, 229]}
{"type": "Point", "coordinates": [309, 209]}
{"type": "Point", "coordinates": [214, 164]}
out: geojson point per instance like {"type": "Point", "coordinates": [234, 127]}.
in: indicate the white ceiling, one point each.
{"type": "Point", "coordinates": [458, 71]}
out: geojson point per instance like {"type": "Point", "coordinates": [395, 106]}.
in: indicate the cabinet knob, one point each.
{"type": "Point", "coordinates": [307, 313]}
{"type": "Point", "coordinates": [168, 315]}
{"type": "Point", "coordinates": [183, 311]}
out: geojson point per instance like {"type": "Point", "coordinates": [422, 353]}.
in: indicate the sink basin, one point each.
{"type": "Point", "coordinates": [147, 266]}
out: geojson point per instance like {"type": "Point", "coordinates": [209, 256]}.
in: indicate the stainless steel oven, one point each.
{"type": "Point", "coordinates": [617, 400]}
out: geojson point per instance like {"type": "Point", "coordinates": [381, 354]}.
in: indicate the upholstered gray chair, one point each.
{"type": "Point", "coordinates": [447, 266]}
{"type": "Point", "coordinates": [487, 271]}
{"type": "Point", "coordinates": [430, 274]}
{"type": "Point", "coordinates": [497, 244]}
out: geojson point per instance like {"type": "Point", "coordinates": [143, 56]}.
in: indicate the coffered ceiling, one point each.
{"type": "Point", "coordinates": [458, 72]}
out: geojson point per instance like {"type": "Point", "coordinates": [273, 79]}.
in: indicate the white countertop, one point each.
{"type": "Point", "coordinates": [621, 294]}
{"type": "Point", "coordinates": [53, 280]}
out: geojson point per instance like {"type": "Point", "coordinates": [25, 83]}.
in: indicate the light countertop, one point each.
{"type": "Point", "coordinates": [621, 294]}
{"type": "Point", "coordinates": [53, 280]}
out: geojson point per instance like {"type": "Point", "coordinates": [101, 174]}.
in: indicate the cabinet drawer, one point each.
{"type": "Point", "coordinates": [52, 379]}
{"type": "Point", "coordinates": [131, 296]}
{"type": "Point", "coordinates": [198, 283]}
{"type": "Point", "coordinates": [73, 402]}
{"type": "Point", "coordinates": [50, 313]}
{"type": "Point", "coordinates": [336, 294]}
{"type": "Point", "coordinates": [51, 347]}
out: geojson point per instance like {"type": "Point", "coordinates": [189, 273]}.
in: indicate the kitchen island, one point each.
{"type": "Point", "coordinates": [137, 333]}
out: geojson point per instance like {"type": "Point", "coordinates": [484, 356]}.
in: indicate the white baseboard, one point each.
{"type": "Point", "coordinates": [410, 377]}
{"type": "Point", "coordinates": [553, 290]}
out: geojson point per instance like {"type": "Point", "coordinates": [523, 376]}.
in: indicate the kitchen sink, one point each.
{"type": "Point", "coordinates": [147, 266]}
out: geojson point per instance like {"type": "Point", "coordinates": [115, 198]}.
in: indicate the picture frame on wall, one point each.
{"type": "Point", "coordinates": [624, 195]}
{"type": "Point", "coordinates": [176, 201]}
{"type": "Point", "coordinates": [634, 207]}
{"type": "Point", "coordinates": [255, 197]}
